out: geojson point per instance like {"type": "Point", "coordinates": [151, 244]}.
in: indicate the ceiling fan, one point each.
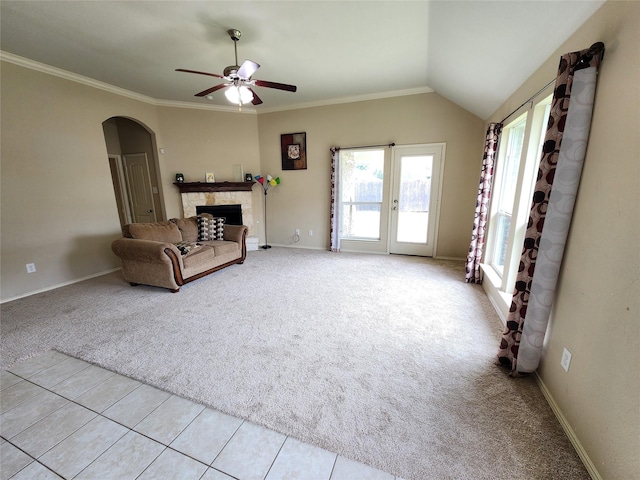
{"type": "Point", "coordinates": [238, 79]}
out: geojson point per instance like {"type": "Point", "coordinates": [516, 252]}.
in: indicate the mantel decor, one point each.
{"type": "Point", "coordinates": [294, 151]}
{"type": "Point", "coordinates": [187, 187]}
{"type": "Point", "coordinates": [266, 184]}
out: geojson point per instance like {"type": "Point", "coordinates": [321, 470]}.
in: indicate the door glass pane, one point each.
{"type": "Point", "coordinates": [413, 198]}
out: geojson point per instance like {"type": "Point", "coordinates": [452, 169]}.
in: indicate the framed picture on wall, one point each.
{"type": "Point", "coordinates": [293, 148]}
{"type": "Point", "coordinates": [209, 177]}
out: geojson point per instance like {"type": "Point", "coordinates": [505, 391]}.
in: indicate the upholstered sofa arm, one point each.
{"type": "Point", "coordinates": [144, 250]}
{"type": "Point", "coordinates": [235, 233]}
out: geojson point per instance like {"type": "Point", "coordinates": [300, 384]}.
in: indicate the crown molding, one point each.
{"type": "Point", "coordinates": [74, 77]}
{"type": "Point", "coordinates": [202, 106]}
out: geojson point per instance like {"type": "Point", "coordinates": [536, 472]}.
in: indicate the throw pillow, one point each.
{"type": "Point", "coordinates": [210, 227]}
{"type": "Point", "coordinates": [185, 247]}
{"type": "Point", "coordinates": [206, 227]}
{"type": "Point", "coordinates": [219, 227]}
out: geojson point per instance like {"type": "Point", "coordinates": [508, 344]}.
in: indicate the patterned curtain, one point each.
{"type": "Point", "coordinates": [334, 243]}
{"type": "Point", "coordinates": [476, 248]}
{"type": "Point", "coordinates": [554, 197]}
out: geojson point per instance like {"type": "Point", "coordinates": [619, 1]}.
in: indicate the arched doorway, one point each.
{"type": "Point", "coordinates": [134, 170]}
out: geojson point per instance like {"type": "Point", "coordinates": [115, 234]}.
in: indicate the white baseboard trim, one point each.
{"type": "Point", "coordinates": [586, 460]}
{"type": "Point", "coordinates": [53, 287]}
{"type": "Point", "coordinates": [295, 246]}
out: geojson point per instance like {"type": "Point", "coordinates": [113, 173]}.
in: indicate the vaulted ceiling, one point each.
{"type": "Point", "coordinates": [475, 53]}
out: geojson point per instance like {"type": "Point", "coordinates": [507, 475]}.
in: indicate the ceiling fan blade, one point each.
{"type": "Point", "coordinates": [256, 99]}
{"type": "Point", "coordinates": [206, 92]}
{"type": "Point", "coordinates": [247, 69]}
{"type": "Point", "coordinates": [199, 73]}
{"type": "Point", "coordinates": [279, 86]}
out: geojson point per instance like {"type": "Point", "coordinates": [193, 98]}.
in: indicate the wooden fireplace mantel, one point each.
{"type": "Point", "coordinates": [186, 187]}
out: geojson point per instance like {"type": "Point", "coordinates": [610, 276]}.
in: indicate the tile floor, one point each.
{"type": "Point", "coordinates": [64, 418]}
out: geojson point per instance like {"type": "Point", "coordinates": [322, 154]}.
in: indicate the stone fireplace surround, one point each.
{"type": "Point", "coordinates": [220, 193]}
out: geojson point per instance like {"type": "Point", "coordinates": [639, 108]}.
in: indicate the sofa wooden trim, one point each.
{"type": "Point", "coordinates": [177, 271]}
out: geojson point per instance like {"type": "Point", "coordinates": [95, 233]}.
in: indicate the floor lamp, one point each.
{"type": "Point", "coordinates": [266, 184]}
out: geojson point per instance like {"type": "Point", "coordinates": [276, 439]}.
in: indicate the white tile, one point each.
{"type": "Point", "coordinates": [29, 412]}
{"type": "Point", "coordinates": [18, 393]}
{"type": "Point", "coordinates": [127, 458]}
{"type": "Point", "coordinates": [105, 394]}
{"type": "Point", "coordinates": [33, 365]}
{"type": "Point", "coordinates": [51, 430]}
{"type": "Point", "coordinates": [207, 435]}
{"type": "Point", "coordinates": [36, 471]}
{"type": "Point", "coordinates": [213, 474]}
{"type": "Point", "coordinates": [346, 469]}
{"type": "Point", "coordinates": [174, 465]}
{"type": "Point", "coordinates": [133, 408]}
{"type": "Point", "coordinates": [7, 379]}
{"type": "Point", "coordinates": [58, 372]}
{"type": "Point", "coordinates": [300, 461]}
{"type": "Point", "coordinates": [250, 452]}
{"type": "Point", "coordinates": [167, 421]}
{"type": "Point", "coordinates": [76, 452]}
{"type": "Point", "coordinates": [81, 382]}
{"type": "Point", "coordinates": [12, 460]}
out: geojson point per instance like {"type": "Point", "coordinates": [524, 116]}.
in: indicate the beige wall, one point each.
{"type": "Point", "coordinates": [302, 200]}
{"type": "Point", "coordinates": [597, 310]}
{"type": "Point", "coordinates": [58, 203]}
{"type": "Point", "coordinates": [200, 141]}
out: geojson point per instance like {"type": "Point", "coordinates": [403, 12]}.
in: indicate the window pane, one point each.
{"type": "Point", "coordinates": [509, 180]}
{"type": "Point", "coordinates": [502, 237]}
{"type": "Point", "coordinates": [360, 221]}
{"type": "Point", "coordinates": [361, 174]}
{"type": "Point", "coordinates": [506, 192]}
{"type": "Point", "coordinates": [361, 184]}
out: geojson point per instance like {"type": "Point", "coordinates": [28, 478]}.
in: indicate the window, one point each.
{"type": "Point", "coordinates": [361, 193]}
{"type": "Point", "coordinates": [506, 182]}
{"type": "Point", "coordinates": [517, 165]}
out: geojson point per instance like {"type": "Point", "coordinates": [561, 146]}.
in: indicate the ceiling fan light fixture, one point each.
{"type": "Point", "coordinates": [240, 95]}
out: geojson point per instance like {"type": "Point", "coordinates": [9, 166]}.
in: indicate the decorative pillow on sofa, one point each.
{"type": "Point", "coordinates": [186, 247]}
{"type": "Point", "coordinates": [210, 227]}
{"type": "Point", "coordinates": [166, 232]}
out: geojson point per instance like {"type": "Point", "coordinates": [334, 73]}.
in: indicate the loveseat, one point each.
{"type": "Point", "coordinates": [172, 253]}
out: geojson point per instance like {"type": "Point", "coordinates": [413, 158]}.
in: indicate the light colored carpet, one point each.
{"type": "Point", "coordinates": [387, 360]}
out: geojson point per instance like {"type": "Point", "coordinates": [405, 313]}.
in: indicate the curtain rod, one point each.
{"type": "Point", "coordinates": [368, 146]}
{"type": "Point", "coordinates": [529, 99]}
{"type": "Point", "coordinates": [595, 49]}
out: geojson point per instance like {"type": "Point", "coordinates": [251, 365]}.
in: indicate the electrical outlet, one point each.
{"type": "Point", "coordinates": [31, 267]}
{"type": "Point", "coordinates": [566, 359]}
{"type": "Point", "coordinates": [298, 231]}
{"type": "Point", "coordinates": [310, 233]}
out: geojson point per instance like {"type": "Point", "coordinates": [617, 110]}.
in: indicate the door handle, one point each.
{"type": "Point", "coordinates": [149, 211]}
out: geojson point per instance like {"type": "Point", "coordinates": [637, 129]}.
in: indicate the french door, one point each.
{"type": "Point", "coordinates": [415, 198]}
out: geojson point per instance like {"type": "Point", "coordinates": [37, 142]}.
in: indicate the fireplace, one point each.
{"type": "Point", "coordinates": [232, 213]}
{"type": "Point", "coordinates": [195, 195]}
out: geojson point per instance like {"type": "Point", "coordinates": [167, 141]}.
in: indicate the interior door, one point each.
{"type": "Point", "coordinates": [136, 170]}
{"type": "Point", "coordinates": [415, 198]}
